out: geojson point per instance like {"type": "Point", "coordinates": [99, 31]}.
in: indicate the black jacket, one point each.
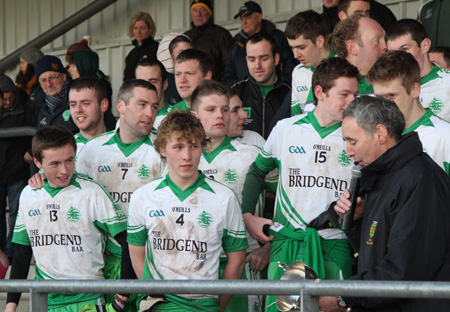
{"type": "Point", "coordinates": [12, 166]}
{"type": "Point", "coordinates": [260, 110]}
{"type": "Point", "coordinates": [215, 41]}
{"type": "Point", "coordinates": [379, 12]}
{"type": "Point", "coordinates": [237, 64]}
{"type": "Point", "coordinates": [147, 49]}
{"type": "Point", "coordinates": [404, 234]}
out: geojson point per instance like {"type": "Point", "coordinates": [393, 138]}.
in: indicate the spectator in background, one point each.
{"type": "Point", "coordinates": [53, 97]}
{"type": "Point", "coordinates": [143, 29]}
{"type": "Point", "coordinates": [26, 79]}
{"type": "Point", "coordinates": [440, 56]}
{"type": "Point", "coordinates": [264, 89]}
{"type": "Point", "coordinates": [206, 36]}
{"type": "Point", "coordinates": [252, 22]}
{"type": "Point", "coordinates": [379, 12]}
{"type": "Point", "coordinates": [85, 63]}
{"type": "Point", "coordinates": [15, 155]}
{"type": "Point", "coordinates": [434, 16]}
{"type": "Point", "coordinates": [349, 7]}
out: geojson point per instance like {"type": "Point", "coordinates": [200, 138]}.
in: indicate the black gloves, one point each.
{"type": "Point", "coordinates": [326, 220]}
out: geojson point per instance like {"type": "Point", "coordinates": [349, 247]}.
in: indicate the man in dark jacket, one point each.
{"type": "Point", "coordinates": [263, 91]}
{"type": "Point", "coordinates": [208, 37]}
{"type": "Point", "coordinates": [15, 155]}
{"type": "Point", "coordinates": [252, 22]}
{"type": "Point", "coordinates": [53, 97]}
{"type": "Point", "coordinates": [403, 234]}
{"type": "Point", "coordinates": [379, 12]}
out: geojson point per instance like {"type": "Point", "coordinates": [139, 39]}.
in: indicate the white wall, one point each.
{"type": "Point", "coordinates": [23, 20]}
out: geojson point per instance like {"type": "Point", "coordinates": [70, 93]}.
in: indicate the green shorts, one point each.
{"type": "Point", "coordinates": [75, 307]}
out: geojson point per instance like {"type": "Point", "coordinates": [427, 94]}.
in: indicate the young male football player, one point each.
{"type": "Point", "coordinates": [306, 32]}
{"type": "Point", "coordinates": [409, 35]}
{"type": "Point", "coordinates": [64, 224]}
{"type": "Point", "coordinates": [396, 76]}
{"type": "Point", "coordinates": [310, 154]}
{"type": "Point", "coordinates": [88, 101]}
{"type": "Point", "coordinates": [174, 230]}
{"type": "Point", "coordinates": [228, 162]}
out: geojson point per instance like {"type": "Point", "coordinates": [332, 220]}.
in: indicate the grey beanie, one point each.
{"type": "Point", "coordinates": [31, 55]}
{"type": "Point", "coordinates": [7, 85]}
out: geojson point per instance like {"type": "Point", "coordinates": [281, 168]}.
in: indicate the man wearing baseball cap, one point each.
{"type": "Point", "coordinates": [252, 22]}
{"type": "Point", "coordinates": [53, 98]}
{"type": "Point", "coordinates": [208, 37]}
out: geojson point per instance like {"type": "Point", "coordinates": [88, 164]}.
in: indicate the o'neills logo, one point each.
{"type": "Point", "coordinates": [179, 244]}
{"type": "Point", "coordinates": [55, 239]}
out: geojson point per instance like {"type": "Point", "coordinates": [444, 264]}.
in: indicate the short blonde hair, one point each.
{"type": "Point", "coordinates": [147, 18]}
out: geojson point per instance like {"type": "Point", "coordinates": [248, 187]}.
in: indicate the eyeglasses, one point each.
{"type": "Point", "coordinates": [51, 78]}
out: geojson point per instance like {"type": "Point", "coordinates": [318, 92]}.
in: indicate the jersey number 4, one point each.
{"type": "Point", "coordinates": [180, 220]}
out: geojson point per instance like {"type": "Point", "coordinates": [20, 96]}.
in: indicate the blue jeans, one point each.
{"type": "Point", "coordinates": [12, 192]}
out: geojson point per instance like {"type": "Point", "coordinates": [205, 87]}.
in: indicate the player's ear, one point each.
{"type": "Point", "coordinates": [194, 113]}
{"type": "Point", "coordinates": [104, 104]}
{"type": "Point", "coordinates": [318, 92]}
{"type": "Point", "coordinates": [121, 106]}
{"type": "Point", "coordinates": [37, 163]}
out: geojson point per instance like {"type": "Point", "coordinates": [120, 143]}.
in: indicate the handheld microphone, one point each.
{"type": "Point", "coordinates": [354, 188]}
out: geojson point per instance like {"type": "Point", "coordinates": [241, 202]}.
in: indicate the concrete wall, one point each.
{"type": "Point", "coordinates": [23, 20]}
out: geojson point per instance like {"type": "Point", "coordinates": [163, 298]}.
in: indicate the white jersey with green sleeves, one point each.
{"type": "Point", "coordinates": [250, 137]}
{"type": "Point", "coordinates": [229, 164]}
{"type": "Point", "coordinates": [121, 168]}
{"type": "Point", "coordinates": [435, 92]}
{"type": "Point", "coordinates": [184, 231]}
{"type": "Point", "coordinates": [66, 229]}
{"type": "Point", "coordinates": [434, 133]}
{"type": "Point", "coordinates": [314, 170]}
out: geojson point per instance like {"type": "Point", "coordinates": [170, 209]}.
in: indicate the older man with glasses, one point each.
{"type": "Point", "coordinates": [53, 98]}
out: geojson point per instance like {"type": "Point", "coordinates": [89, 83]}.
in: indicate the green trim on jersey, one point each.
{"type": "Point", "coordinates": [164, 110]}
{"type": "Point", "coordinates": [433, 74]}
{"type": "Point", "coordinates": [79, 138]}
{"type": "Point", "coordinates": [226, 144]}
{"type": "Point", "coordinates": [310, 118]}
{"type": "Point", "coordinates": [128, 149]}
{"type": "Point", "coordinates": [54, 191]}
{"type": "Point", "coordinates": [183, 194]}
{"type": "Point", "coordinates": [182, 105]}
{"type": "Point", "coordinates": [422, 121]}
{"type": "Point", "coordinates": [363, 86]}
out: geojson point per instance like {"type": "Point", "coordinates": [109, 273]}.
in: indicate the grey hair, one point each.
{"type": "Point", "coordinates": [369, 112]}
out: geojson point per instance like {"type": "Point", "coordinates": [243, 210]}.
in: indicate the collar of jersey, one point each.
{"type": "Point", "coordinates": [422, 121]}
{"type": "Point", "coordinates": [363, 87]}
{"type": "Point", "coordinates": [433, 74]}
{"type": "Point", "coordinates": [311, 119]}
{"type": "Point", "coordinates": [128, 148]}
{"type": "Point", "coordinates": [55, 190]}
{"type": "Point", "coordinates": [225, 145]}
{"type": "Point", "coordinates": [183, 194]}
{"type": "Point", "coordinates": [81, 139]}
{"type": "Point", "coordinates": [163, 110]}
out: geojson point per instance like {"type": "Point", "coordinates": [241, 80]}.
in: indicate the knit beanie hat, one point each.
{"type": "Point", "coordinates": [31, 55]}
{"type": "Point", "coordinates": [49, 63]}
{"type": "Point", "coordinates": [204, 3]}
{"type": "Point", "coordinates": [7, 85]}
{"type": "Point", "coordinates": [87, 62]}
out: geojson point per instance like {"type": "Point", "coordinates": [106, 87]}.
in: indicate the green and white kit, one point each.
{"type": "Point", "coordinates": [435, 92]}
{"type": "Point", "coordinates": [184, 231]}
{"type": "Point", "coordinates": [66, 228]}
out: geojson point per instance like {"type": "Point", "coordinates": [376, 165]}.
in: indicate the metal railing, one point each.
{"type": "Point", "coordinates": [308, 290]}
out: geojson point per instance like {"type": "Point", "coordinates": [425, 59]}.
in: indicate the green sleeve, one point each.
{"type": "Point", "coordinates": [253, 186]}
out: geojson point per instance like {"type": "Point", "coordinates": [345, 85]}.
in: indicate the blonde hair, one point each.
{"type": "Point", "coordinates": [142, 16]}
